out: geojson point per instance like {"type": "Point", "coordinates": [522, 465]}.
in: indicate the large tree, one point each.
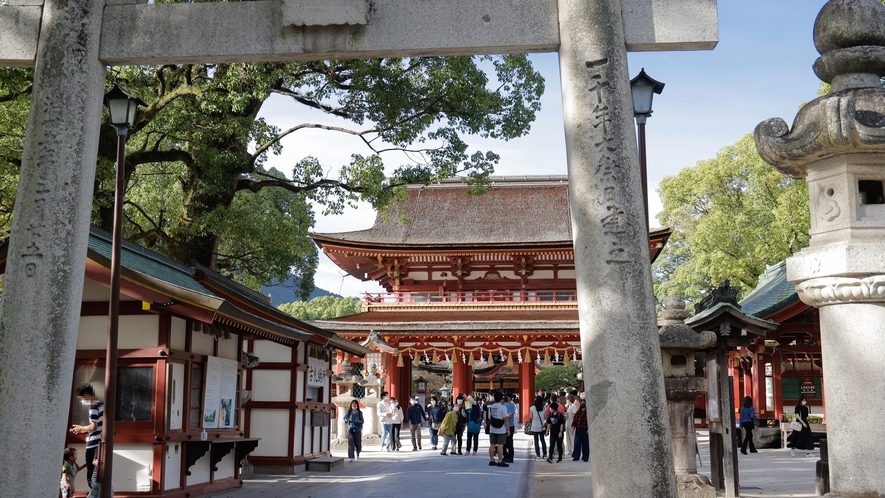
{"type": "Point", "coordinates": [199, 190]}
{"type": "Point", "coordinates": [731, 216]}
{"type": "Point", "coordinates": [323, 308]}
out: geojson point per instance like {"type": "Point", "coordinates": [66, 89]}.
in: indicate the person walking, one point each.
{"type": "Point", "coordinates": [416, 417]}
{"type": "Point", "coordinates": [354, 420]}
{"type": "Point", "coordinates": [748, 423]}
{"type": "Point", "coordinates": [802, 439]}
{"type": "Point", "coordinates": [474, 424]}
{"type": "Point", "coordinates": [435, 416]}
{"type": "Point", "coordinates": [582, 438]}
{"type": "Point", "coordinates": [538, 428]}
{"type": "Point", "coordinates": [397, 418]}
{"type": "Point", "coordinates": [447, 431]}
{"type": "Point", "coordinates": [498, 428]}
{"type": "Point", "coordinates": [511, 421]}
{"type": "Point", "coordinates": [556, 430]}
{"type": "Point", "coordinates": [385, 416]}
{"type": "Point", "coordinates": [570, 411]}
{"type": "Point", "coordinates": [461, 412]}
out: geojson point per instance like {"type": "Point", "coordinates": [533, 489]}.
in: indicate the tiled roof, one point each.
{"type": "Point", "coordinates": [772, 294]}
{"type": "Point", "coordinates": [149, 263]}
{"type": "Point", "coordinates": [517, 210]}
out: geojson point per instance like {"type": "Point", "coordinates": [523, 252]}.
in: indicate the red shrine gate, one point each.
{"type": "Point", "coordinates": [471, 281]}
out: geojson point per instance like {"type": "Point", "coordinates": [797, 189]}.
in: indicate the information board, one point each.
{"type": "Point", "coordinates": [219, 393]}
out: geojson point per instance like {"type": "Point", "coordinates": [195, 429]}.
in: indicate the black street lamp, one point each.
{"type": "Point", "coordinates": [122, 107]}
{"type": "Point", "coordinates": [643, 87]}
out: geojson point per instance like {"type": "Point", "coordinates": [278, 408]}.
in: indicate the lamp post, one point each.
{"type": "Point", "coordinates": [122, 107]}
{"type": "Point", "coordinates": [643, 88]}
{"type": "Point", "coordinates": [445, 391]}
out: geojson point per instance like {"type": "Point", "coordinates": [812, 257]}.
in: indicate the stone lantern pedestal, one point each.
{"type": "Point", "coordinates": [345, 380]}
{"type": "Point", "coordinates": [837, 144]}
{"type": "Point", "coordinates": [372, 383]}
{"type": "Point", "coordinates": [678, 344]}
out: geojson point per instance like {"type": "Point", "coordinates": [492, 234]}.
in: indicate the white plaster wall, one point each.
{"type": "Point", "coordinates": [299, 423]}
{"type": "Point", "coordinates": [139, 332]}
{"type": "Point", "coordinates": [271, 352]}
{"type": "Point", "coordinates": [226, 465]}
{"type": "Point", "coordinates": [93, 332]}
{"type": "Point", "coordinates": [268, 425]}
{"type": "Point", "coordinates": [325, 436]}
{"type": "Point", "coordinates": [299, 379]}
{"type": "Point", "coordinates": [227, 348]}
{"type": "Point", "coordinates": [202, 343]}
{"type": "Point", "coordinates": [179, 334]}
{"type": "Point", "coordinates": [172, 472]}
{"type": "Point", "coordinates": [132, 467]}
{"type": "Point", "coordinates": [566, 273]}
{"type": "Point", "coordinates": [542, 274]}
{"type": "Point", "coordinates": [136, 332]}
{"type": "Point", "coordinates": [200, 471]}
{"type": "Point", "coordinates": [271, 385]}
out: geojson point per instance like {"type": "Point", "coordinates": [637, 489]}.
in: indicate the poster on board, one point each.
{"type": "Point", "coordinates": [219, 392]}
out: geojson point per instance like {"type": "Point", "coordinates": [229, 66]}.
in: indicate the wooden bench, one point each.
{"type": "Point", "coordinates": [817, 431]}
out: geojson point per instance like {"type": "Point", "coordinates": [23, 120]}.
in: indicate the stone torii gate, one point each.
{"type": "Point", "coordinates": [69, 42]}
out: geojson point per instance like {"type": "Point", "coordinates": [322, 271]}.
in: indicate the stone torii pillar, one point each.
{"type": "Point", "coordinates": [48, 246]}
{"type": "Point", "coordinates": [838, 144]}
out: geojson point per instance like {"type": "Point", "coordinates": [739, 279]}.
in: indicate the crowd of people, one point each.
{"type": "Point", "coordinates": [554, 417]}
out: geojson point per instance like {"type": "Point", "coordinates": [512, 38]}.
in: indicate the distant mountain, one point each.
{"type": "Point", "coordinates": [285, 293]}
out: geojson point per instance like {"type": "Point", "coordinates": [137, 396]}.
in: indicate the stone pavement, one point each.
{"type": "Point", "coordinates": [408, 474]}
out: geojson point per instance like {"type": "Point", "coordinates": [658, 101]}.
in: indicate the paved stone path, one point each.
{"type": "Point", "coordinates": [408, 474]}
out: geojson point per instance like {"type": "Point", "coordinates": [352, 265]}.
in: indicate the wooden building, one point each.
{"type": "Point", "coordinates": [190, 404]}
{"type": "Point", "coordinates": [777, 368]}
{"type": "Point", "coordinates": [470, 280]}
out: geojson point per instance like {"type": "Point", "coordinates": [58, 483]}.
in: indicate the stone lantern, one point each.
{"type": "Point", "coordinates": [837, 143]}
{"type": "Point", "coordinates": [678, 345]}
{"type": "Point", "coordinates": [345, 380]}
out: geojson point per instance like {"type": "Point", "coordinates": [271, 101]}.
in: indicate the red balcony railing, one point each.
{"type": "Point", "coordinates": [470, 297]}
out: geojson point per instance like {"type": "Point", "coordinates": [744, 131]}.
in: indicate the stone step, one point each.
{"type": "Point", "coordinates": [327, 464]}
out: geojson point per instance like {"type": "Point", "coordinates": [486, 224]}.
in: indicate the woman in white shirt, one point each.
{"type": "Point", "coordinates": [537, 420]}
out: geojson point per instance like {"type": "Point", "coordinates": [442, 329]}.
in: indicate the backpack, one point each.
{"type": "Point", "coordinates": [475, 415]}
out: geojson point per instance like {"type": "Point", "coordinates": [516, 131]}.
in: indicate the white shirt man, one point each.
{"type": "Point", "coordinates": [498, 435]}
{"type": "Point", "coordinates": [385, 416]}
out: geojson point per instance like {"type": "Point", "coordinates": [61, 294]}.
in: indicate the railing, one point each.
{"type": "Point", "coordinates": [471, 297]}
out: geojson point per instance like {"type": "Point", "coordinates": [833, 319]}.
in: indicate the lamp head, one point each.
{"type": "Point", "coordinates": [643, 88]}
{"type": "Point", "coordinates": [122, 107]}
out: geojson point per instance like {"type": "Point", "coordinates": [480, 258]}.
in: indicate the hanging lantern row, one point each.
{"type": "Point", "coordinates": [470, 359]}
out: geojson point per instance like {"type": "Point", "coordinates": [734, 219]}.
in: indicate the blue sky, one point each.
{"type": "Point", "coordinates": [760, 69]}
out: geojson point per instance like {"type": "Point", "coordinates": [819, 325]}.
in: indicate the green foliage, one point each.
{"type": "Point", "coordinates": [557, 377]}
{"type": "Point", "coordinates": [322, 308]}
{"type": "Point", "coordinates": [15, 86]}
{"type": "Point", "coordinates": [198, 189]}
{"type": "Point", "coordinates": [812, 418]}
{"type": "Point", "coordinates": [731, 216]}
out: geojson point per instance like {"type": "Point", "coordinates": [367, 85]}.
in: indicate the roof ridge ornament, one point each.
{"type": "Point", "coordinates": [850, 36]}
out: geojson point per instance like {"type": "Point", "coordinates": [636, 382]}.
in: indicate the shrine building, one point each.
{"type": "Point", "coordinates": [208, 373]}
{"type": "Point", "coordinates": [479, 285]}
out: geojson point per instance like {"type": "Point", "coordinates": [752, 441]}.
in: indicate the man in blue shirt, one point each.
{"type": "Point", "coordinates": [511, 410]}
{"type": "Point", "coordinates": [86, 394]}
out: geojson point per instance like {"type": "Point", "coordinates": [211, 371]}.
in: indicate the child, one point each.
{"type": "Point", "coordinates": [69, 469]}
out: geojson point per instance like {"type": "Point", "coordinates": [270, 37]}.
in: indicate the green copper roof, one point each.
{"type": "Point", "coordinates": [772, 294]}
{"type": "Point", "coordinates": [147, 262]}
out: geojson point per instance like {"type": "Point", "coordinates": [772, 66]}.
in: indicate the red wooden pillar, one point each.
{"type": "Point", "coordinates": [749, 385]}
{"type": "Point", "coordinates": [759, 384]}
{"type": "Point", "coordinates": [404, 387]}
{"type": "Point", "coordinates": [735, 373]}
{"type": "Point", "coordinates": [462, 379]}
{"type": "Point", "coordinates": [393, 380]}
{"type": "Point", "coordinates": [526, 387]}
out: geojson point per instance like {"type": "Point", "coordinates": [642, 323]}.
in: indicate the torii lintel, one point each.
{"type": "Point", "coordinates": [289, 30]}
